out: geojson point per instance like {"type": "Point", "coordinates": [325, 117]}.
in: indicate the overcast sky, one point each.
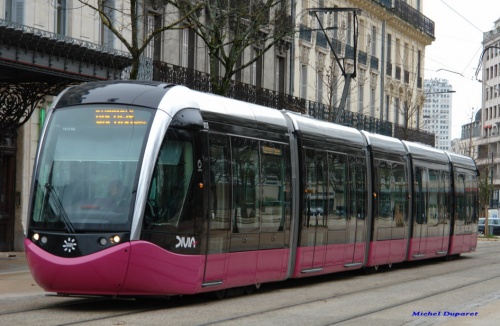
{"type": "Point", "coordinates": [459, 28]}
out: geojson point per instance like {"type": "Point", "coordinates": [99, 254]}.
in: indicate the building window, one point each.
{"type": "Point", "coordinates": [361, 90]}
{"type": "Point", "coordinates": [349, 29]}
{"type": "Point", "coordinates": [303, 81]}
{"type": "Point", "coordinates": [188, 48]}
{"type": "Point", "coordinates": [14, 11]}
{"type": "Point", "coordinates": [151, 26]}
{"type": "Point", "coordinates": [372, 102]}
{"type": "Point", "coordinates": [389, 48]}
{"type": "Point", "coordinates": [374, 41]}
{"type": "Point", "coordinates": [256, 69]}
{"type": "Point", "coordinates": [319, 87]}
{"type": "Point", "coordinates": [335, 25]}
{"type": "Point", "coordinates": [396, 111]}
{"type": "Point", "coordinates": [333, 97]}
{"type": "Point", "coordinates": [387, 106]}
{"type": "Point", "coordinates": [361, 36]}
{"type": "Point", "coordinates": [279, 82]}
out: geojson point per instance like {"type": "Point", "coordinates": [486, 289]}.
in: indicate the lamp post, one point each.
{"type": "Point", "coordinates": [347, 75]}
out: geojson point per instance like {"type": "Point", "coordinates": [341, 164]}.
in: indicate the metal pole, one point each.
{"type": "Point", "coordinates": [491, 180]}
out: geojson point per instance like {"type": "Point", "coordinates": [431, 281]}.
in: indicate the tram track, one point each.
{"type": "Point", "coordinates": [375, 288]}
{"type": "Point", "coordinates": [413, 300]}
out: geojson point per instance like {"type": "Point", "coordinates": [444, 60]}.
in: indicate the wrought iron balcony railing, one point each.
{"type": "Point", "coordinates": [321, 40]}
{"type": "Point", "coordinates": [200, 81]}
{"type": "Point", "coordinates": [305, 33]}
{"type": "Point", "coordinates": [409, 14]}
{"type": "Point", "coordinates": [407, 76]}
{"type": "Point", "coordinates": [388, 69]}
{"type": "Point", "coordinates": [374, 63]}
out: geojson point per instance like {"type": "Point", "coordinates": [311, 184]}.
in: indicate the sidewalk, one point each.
{"type": "Point", "coordinates": [15, 277]}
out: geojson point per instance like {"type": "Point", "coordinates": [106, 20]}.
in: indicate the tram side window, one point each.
{"type": "Point", "coordinates": [259, 181]}
{"type": "Point", "coordinates": [421, 180]}
{"type": "Point", "coordinates": [444, 200]}
{"type": "Point", "coordinates": [168, 193]}
{"type": "Point", "coordinates": [245, 167]}
{"type": "Point", "coordinates": [391, 188]}
{"type": "Point", "coordinates": [434, 194]}
{"type": "Point", "coordinates": [220, 182]}
{"type": "Point", "coordinates": [471, 199]}
{"type": "Point", "coordinates": [473, 196]}
{"type": "Point", "coordinates": [461, 210]}
{"type": "Point", "coordinates": [357, 187]}
{"type": "Point", "coordinates": [315, 204]}
{"type": "Point", "coordinates": [400, 194]}
{"type": "Point", "coordinates": [273, 184]}
{"type": "Point", "coordinates": [337, 190]}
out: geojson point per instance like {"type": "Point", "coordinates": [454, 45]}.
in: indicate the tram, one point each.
{"type": "Point", "coordinates": [152, 189]}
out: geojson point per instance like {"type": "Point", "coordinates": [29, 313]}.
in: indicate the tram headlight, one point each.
{"type": "Point", "coordinates": [115, 239]}
{"type": "Point", "coordinates": [35, 237]}
{"type": "Point", "coordinates": [103, 241]}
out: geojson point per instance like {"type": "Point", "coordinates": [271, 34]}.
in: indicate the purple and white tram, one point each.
{"type": "Point", "coordinates": [145, 188]}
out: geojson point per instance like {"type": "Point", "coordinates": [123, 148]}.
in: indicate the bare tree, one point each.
{"type": "Point", "coordinates": [229, 27]}
{"type": "Point", "coordinates": [127, 19]}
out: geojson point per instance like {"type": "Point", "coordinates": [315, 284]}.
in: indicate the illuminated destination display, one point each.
{"type": "Point", "coordinates": [117, 117]}
{"type": "Point", "coordinates": [271, 150]}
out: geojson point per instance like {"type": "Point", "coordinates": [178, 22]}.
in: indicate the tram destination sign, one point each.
{"type": "Point", "coordinates": [117, 117]}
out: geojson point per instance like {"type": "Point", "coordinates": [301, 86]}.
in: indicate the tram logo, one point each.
{"type": "Point", "coordinates": [185, 242]}
{"type": "Point", "coordinates": [69, 245]}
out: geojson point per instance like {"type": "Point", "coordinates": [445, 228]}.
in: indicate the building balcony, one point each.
{"type": "Point", "coordinates": [374, 63]}
{"type": "Point", "coordinates": [305, 33]}
{"type": "Point", "coordinates": [410, 15]}
{"type": "Point", "coordinates": [321, 40]}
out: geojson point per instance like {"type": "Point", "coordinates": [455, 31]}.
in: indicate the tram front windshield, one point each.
{"type": "Point", "coordinates": [86, 175]}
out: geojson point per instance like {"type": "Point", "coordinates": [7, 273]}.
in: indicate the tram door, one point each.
{"type": "Point", "coordinates": [314, 231]}
{"type": "Point", "coordinates": [356, 214]}
{"type": "Point", "coordinates": [443, 212]}
{"type": "Point", "coordinates": [419, 238]}
{"type": "Point", "coordinates": [218, 210]}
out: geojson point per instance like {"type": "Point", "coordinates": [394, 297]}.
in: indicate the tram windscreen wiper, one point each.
{"type": "Point", "coordinates": [51, 196]}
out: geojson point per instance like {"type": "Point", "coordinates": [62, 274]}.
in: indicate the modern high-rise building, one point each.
{"type": "Point", "coordinates": [488, 154]}
{"type": "Point", "coordinates": [437, 111]}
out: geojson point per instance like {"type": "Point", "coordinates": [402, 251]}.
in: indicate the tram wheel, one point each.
{"type": "Point", "coordinates": [220, 294]}
{"type": "Point", "coordinates": [371, 270]}
{"type": "Point", "coordinates": [251, 288]}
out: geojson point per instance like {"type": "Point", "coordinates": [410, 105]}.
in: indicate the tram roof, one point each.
{"type": "Point", "coordinates": [142, 93]}
{"type": "Point", "coordinates": [230, 111]}
{"type": "Point", "coordinates": [381, 143]}
{"type": "Point", "coordinates": [426, 153]}
{"type": "Point", "coordinates": [311, 128]}
{"type": "Point", "coordinates": [462, 161]}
